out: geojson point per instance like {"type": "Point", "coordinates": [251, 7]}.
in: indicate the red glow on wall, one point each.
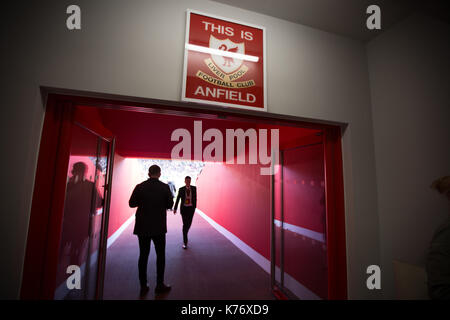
{"type": "Point", "coordinates": [304, 204]}
{"type": "Point", "coordinates": [126, 177]}
{"type": "Point", "coordinates": [238, 198]}
{"type": "Point", "coordinates": [242, 197]}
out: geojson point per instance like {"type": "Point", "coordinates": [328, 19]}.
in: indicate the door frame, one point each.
{"type": "Point", "coordinates": [49, 188]}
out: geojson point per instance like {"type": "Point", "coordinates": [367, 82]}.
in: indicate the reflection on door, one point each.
{"type": "Point", "coordinates": [300, 257]}
{"type": "Point", "coordinates": [83, 220]}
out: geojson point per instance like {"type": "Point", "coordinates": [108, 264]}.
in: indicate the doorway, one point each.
{"type": "Point", "coordinates": [64, 110]}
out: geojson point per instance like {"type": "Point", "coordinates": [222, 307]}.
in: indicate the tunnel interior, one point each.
{"type": "Point", "coordinates": [232, 196]}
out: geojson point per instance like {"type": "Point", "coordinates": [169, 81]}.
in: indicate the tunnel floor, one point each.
{"type": "Point", "coordinates": [211, 268]}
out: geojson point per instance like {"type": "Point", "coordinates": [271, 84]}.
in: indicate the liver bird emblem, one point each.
{"type": "Point", "coordinates": [228, 60]}
{"type": "Point", "coordinates": [226, 64]}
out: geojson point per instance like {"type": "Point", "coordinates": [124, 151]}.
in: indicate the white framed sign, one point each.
{"type": "Point", "coordinates": [224, 62]}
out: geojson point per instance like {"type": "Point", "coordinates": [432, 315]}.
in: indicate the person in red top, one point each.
{"type": "Point", "coordinates": [188, 197]}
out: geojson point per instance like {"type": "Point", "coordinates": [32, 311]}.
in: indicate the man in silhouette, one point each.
{"type": "Point", "coordinates": [188, 197]}
{"type": "Point", "coordinates": [152, 198]}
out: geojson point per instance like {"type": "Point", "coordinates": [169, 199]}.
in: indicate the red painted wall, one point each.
{"type": "Point", "coordinates": [148, 135]}
{"type": "Point", "coordinates": [304, 187]}
{"type": "Point", "coordinates": [305, 258]}
{"type": "Point", "coordinates": [238, 198]}
{"type": "Point", "coordinates": [125, 178]}
{"type": "Point", "coordinates": [39, 270]}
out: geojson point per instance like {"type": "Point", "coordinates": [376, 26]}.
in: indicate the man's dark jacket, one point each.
{"type": "Point", "coordinates": [182, 196]}
{"type": "Point", "coordinates": [152, 198]}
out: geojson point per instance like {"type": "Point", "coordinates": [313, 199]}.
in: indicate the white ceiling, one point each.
{"type": "Point", "coordinates": [344, 17]}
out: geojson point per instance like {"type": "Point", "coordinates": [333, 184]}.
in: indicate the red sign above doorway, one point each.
{"type": "Point", "coordinates": [224, 62]}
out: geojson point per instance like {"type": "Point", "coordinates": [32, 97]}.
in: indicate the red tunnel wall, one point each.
{"type": "Point", "coordinates": [238, 198]}
{"type": "Point", "coordinates": [305, 257]}
{"type": "Point", "coordinates": [235, 196]}
{"type": "Point", "coordinates": [125, 178]}
{"type": "Point", "coordinates": [148, 135]}
{"type": "Point", "coordinates": [304, 185]}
